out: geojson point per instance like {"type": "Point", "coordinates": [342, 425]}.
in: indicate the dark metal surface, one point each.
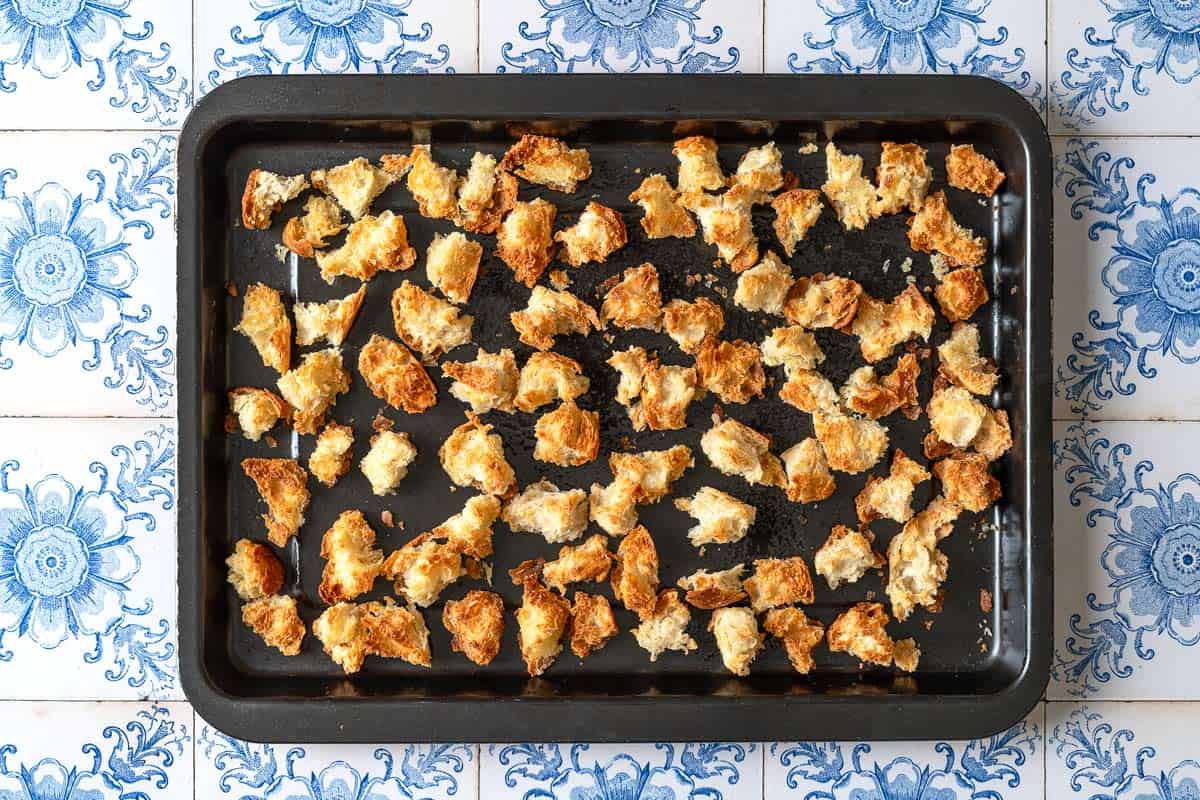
{"type": "Point", "coordinates": [978, 671]}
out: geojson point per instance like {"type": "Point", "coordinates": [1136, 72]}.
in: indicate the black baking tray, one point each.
{"type": "Point", "coordinates": [979, 672]}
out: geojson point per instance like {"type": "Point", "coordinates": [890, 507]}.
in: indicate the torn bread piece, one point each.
{"type": "Point", "coordinates": [352, 562]}
{"type": "Point", "coordinates": [906, 654]}
{"type": "Point", "coordinates": [994, 438]}
{"type": "Point", "coordinates": [373, 243]}
{"type": "Point", "coordinates": [808, 477]}
{"type": "Point", "coordinates": [799, 634]}
{"type": "Point", "coordinates": [631, 366]}
{"type": "Point", "coordinates": [470, 531]}
{"type": "Point", "coordinates": [525, 239]}
{"type": "Point", "coordinates": [793, 348]}
{"type": "Point", "coordinates": [811, 392]}
{"type": "Point", "coordinates": [634, 576]}
{"type": "Point", "coordinates": [720, 518]}
{"type": "Point", "coordinates": [387, 462]}
{"type": "Point", "coordinates": [860, 632]}
{"type": "Point", "coordinates": [737, 449]}
{"type": "Point", "coordinates": [635, 302]}
{"type": "Point", "coordinates": [592, 623]}
{"type": "Point", "coordinates": [597, 234]}
{"type": "Point", "coordinates": [760, 168]}
{"type": "Point", "coordinates": [846, 556]}
{"type": "Point", "coordinates": [265, 323]}
{"type": "Point", "coordinates": [549, 314]}
{"type": "Point", "coordinates": [312, 388]}
{"type": "Point", "coordinates": [961, 293]}
{"type": "Point", "coordinates": [452, 264]}
{"type": "Point", "coordinates": [765, 286]}
{"type": "Point", "coordinates": [547, 377]}
{"type": "Point", "coordinates": [489, 382]}
{"type": "Point", "coordinates": [966, 481]}
{"type": "Point", "coordinates": [880, 326]}
{"type": "Point", "coordinates": [473, 456]}
{"type": "Point", "coordinates": [307, 234]}
{"type": "Point", "coordinates": [891, 497]}
{"type": "Point", "coordinates": [485, 195]}
{"type": "Point", "coordinates": [851, 444]}
{"type": "Point", "coordinates": [542, 508]}
{"type": "Point", "coordinates": [916, 568]}
{"type": "Point", "coordinates": [281, 483]}
{"type": "Point", "coordinates": [779, 582]}
{"type": "Point", "coordinates": [961, 364]}
{"type": "Point", "coordinates": [725, 221]}
{"type": "Point", "coordinates": [934, 229]}
{"type": "Point", "coordinates": [651, 472]}
{"type": "Point", "coordinates": [254, 570]}
{"type": "Point", "coordinates": [667, 391]}
{"type": "Point", "coordinates": [822, 301]}
{"type": "Point", "coordinates": [711, 590]}
{"type": "Point", "coordinates": [423, 568]}
{"type": "Point", "coordinates": [395, 631]}
{"type": "Point", "coordinates": [589, 561]}
{"type": "Point", "coordinates": [265, 194]}
{"type": "Point", "coordinates": [355, 185]}
{"type": "Point", "coordinates": [568, 436]}
{"type": "Point", "coordinates": [548, 161]}
{"type": "Point", "coordinates": [851, 195]}
{"type": "Point", "coordinates": [276, 621]}
{"type": "Point", "coordinates": [689, 324]}
{"type": "Point", "coordinates": [541, 622]}
{"type": "Point", "coordinates": [255, 411]}
{"type": "Point", "coordinates": [613, 507]}
{"type": "Point", "coordinates": [731, 370]}
{"type": "Point", "coordinates": [663, 214]}
{"type": "Point", "coordinates": [394, 375]}
{"type": "Point", "coordinates": [343, 636]}
{"type": "Point", "coordinates": [738, 638]}
{"type": "Point", "coordinates": [902, 178]}
{"type": "Point", "coordinates": [428, 324]}
{"type": "Point", "coordinates": [796, 211]}
{"type": "Point", "coordinates": [967, 168]}
{"type": "Point", "coordinates": [699, 169]}
{"type": "Point", "coordinates": [955, 415]}
{"type": "Point", "coordinates": [330, 320]}
{"type": "Point", "coordinates": [331, 457]}
{"type": "Point", "coordinates": [434, 187]}
{"type": "Point", "coordinates": [665, 628]}
{"type": "Point", "coordinates": [475, 625]}
{"type": "Point", "coordinates": [864, 393]}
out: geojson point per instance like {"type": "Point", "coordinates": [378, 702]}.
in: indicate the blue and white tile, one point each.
{"type": "Point", "coordinates": [87, 560]}
{"type": "Point", "coordinates": [87, 274]}
{"type": "Point", "coordinates": [1122, 751]}
{"type": "Point", "coordinates": [1127, 278]}
{"type": "Point", "coordinates": [1127, 561]}
{"type": "Point", "coordinates": [1001, 40]}
{"type": "Point", "coordinates": [88, 751]}
{"type": "Point", "coordinates": [710, 771]}
{"type": "Point", "coordinates": [1006, 766]}
{"type": "Point", "coordinates": [1124, 66]}
{"type": "Point", "coordinates": [226, 766]}
{"type": "Point", "coordinates": [620, 36]}
{"type": "Point", "coordinates": [94, 64]}
{"type": "Point", "coordinates": [280, 37]}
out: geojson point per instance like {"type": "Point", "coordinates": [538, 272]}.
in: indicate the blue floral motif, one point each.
{"type": "Point", "coordinates": [67, 559]}
{"type": "Point", "coordinates": [914, 36]}
{"type": "Point", "coordinates": [327, 36]}
{"type": "Point", "coordinates": [139, 756]}
{"type": "Point", "coordinates": [252, 771]}
{"type": "Point", "coordinates": [978, 772]}
{"type": "Point", "coordinates": [618, 36]}
{"type": "Point", "coordinates": [53, 36]}
{"type": "Point", "coordinates": [66, 271]}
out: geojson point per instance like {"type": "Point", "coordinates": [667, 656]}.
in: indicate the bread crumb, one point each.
{"type": "Point", "coordinates": [985, 601]}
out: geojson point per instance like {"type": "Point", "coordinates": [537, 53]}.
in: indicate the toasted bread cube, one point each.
{"type": "Point", "coordinates": [330, 320]}
{"type": "Point", "coordinates": [434, 187]}
{"type": "Point", "coordinates": [257, 410]}
{"type": "Point", "coordinates": [651, 472]}
{"type": "Point", "coordinates": [731, 370]}
{"type": "Point", "coordinates": [851, 444]}
{"type": "Point", "coordinates": [689, 324]}
{"type": "Point", "coordinates": [330, 459]}
{"type": "Point", "coordinates": [489, 382]}
{"type": "Point", "coordinates": [796, 211]}
{"type": "Point", "coordinates": [473, 456]}
{"type": "Point", "coordinates": [664, 215]}
{"type": "Point", "coordinates": [799, 634]}
{"type": "Point", "coordinates": [387, 462]}
{"type": "Point", "coordinates": [699, 169]}
{"type": "Point", "coordinates": [635, 574]}
{"type": "Point", "coordinates": [955, 415]}
{"type": "Point", "coordinates": [967, 168]}
{"type": "Point", "coordinates": [550, 313]}
{"type": "Point", "coordinates": [916, 568]}
{"type": "Point", "coordinates": [934, 229]}
{"type": "Point", "coordinates": [764, 287]}
{"type": "Point", "coordinates": [994, 438]}
{"type": "Point", "coordinates": [541, 622]}
{"type": "Point", "coordinates": [631, 365]}
{"type": "Point", "coordinates": [666, 627]}
{"type": "Point", "coordinates": [779, 582]}
{"type": "Point", "coordinates": [613, 507]}
{"type": "Point", "coordinates": [599, 233]}
{"type": "Point", "coordinates": [305, 235]}
{"type": "Point", "coordinates": [254, 571]}
{"type": "Point", "coordinates": [903, 178]}
{"type": "Point", "coordinates": [470, 531]}
{"type": "Point", "coordinates": [710, 590]}
{"type": "Point", "coordinates": [485, 196]}
{"type": "Point", "coordinates": [452, 263]}
{"type": "Point", "coordinates": [422, 568]}
{"type": "Point", "coordinates": [846, 556]}
{"type": "Point", "coordinates": [851, 195]}
{"type": "Point", "coordinates": [281, 483]}
{"type": "Point", "coordinates": [352, 562]}
{"type": "Point", "coordinates": [864, 393]}
{"type": "Point", "coordinates": [720, 518]}
{"type": "Point", "coordinates": [589, 561]}
{"type": "Point", "coordinates": [265, 323]}
{"type": "Point", "coordinates": [394, 631]}
{"type": "Point", "coordinates": [962, 364]}
{"type": "Point", "coordinates": [810, 391]}
{"type": "Point", "coordinates": [738, 638]}
{"type": "Point", "coordinates": [967, 482]}
{"type": "Point", "coordinates": [427, 324]}
{"type": "Point", "coordinates": [265, 194]}
{"type": "Point", "coordinates": [312, 388]}
{"type": "Point", "coordinates": [808, 477]}
{"type": "Point", "coordinates": [891, 497]}
{"type": "Point", "coordinates": [549, 162]}
{"type": "Point", "coordinates": [547, 377]}
{"type": "Point", "coordinates": [881, 326]}
{"type": "Point", "coordinates": [792, 348]}
{"type": "Point", "coordinates": [906, 654]}
{"type": "Point", "coordinates": [557, 516]}
{"type": "Point", "coordinates": [525, 239]}
{"type": "Point", "coordinates": [355, 185]}
{"type": "Point", "coordinates": [592, 624]}
{"type": "Point", "coordinates": [860, 632]}
{"type": "Point", "coordinates": [373, 243]}
{"type": "Point", "coordinates": [568, 436]}
{"type": "Point", "coordinates": [725, 221]}
{"type": "Point", "coordinates": [636, 301]}
{"type": "Point", "coordinates": [737, 449]}
{"type": "Point", "coordinates": [343, 635]}
{"type": "Point", "coordinates": [275, 619]}
{"type": "Point", "coordinates": [476, 625]}
{"type": "Point", "coordinates": [394, 375]}
{"type": "Point", "coordinates": [667, 391]}
{"type": "Point", "coordinates": [961, 293]}
{"type": "Point", "coordinates": [760, 168]}
{"type": "Point", "coordinates": [823, 301]}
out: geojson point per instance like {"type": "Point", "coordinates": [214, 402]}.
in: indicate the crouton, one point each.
{"type": "Point", "coordinates": [452, 264]}
{"type": "Point", "coordinates": [548, 161]}
{"type": "Point", "coordinates": [667, 391]}
{"type": "Point", "coordinates": [860, 632]}
{"type": "Point", "coordinates": [355, 185]}
{"type": "Point", "coordinates": [373, 243]}
{"type": "Point", "coordinates": [525, 242]}
{"type": "Point", "coordinates": [799, 634]}
{"type": "Point", "coordinates": [906, 654]}
{"type": "Point", "coordinates": [961, 293]}
{"type": "Point", "coordinates": [599, 233]}
{"type": "Point", "coordinates": [737, 449]}
{"type": "Point", "coordinates": [568, 436]}
{"type": "Point", "coordinates": [731, 370]}
{"type": "Point", "coordinates": [423, 568]}
{"type": "Point", "coordinates": [967, 168]}
{"type": "Point", "coordinates": [792, 348]}
{"type": "Point", "coordinates": [934, 229]}
{"type": "Point", "coordinates": [613, 507]}
{"type": "Point", "coordinates": [699, 169]}
{"type": "Point", "coordinates": [547, 377]}
{"type": "Point", "coordinates": [720, 518]}
{"type": "Point", "coordinates": [387, 462]}
{"type": "Point", "coordinates": [994, 438]}
{"type": "Point", "coordinates": [555, 515]}
{"type": "Point", "coordinates": [352, 562]}
{"type": "Point", "coordinates": [779, 582]}
{"type": "Point", "coordinates": [592, 623]}
{"type": "Point", "coordinates": [635, 574]}
{"type": "Point", "coordinates": [851, 195]}
{"type": "Point", "coordinates": [331, 456]}
{"type": "Point", "coordinates": [808, 477]}
{"type": "Point", "coordinates": [796, 211]}
{"type": "Point", "coordinates": [663, 214]}
{"type": "Point", "coordinates": [822, 301]}
{"type": "Point", "coordinates": [864, 393]}
{"type": "Point", "coordinates": [254, 571]}
{"type": "Point", "coordinates": [322, 220]}
{"type": "Point", "coordinates": [916, 568]}
{"type": "Point", "coordinates": [343, 635]}
{"type": "Point", "coordinates": [811, 392]}
{"type": "Point", "coordinates": [469, 532]}
{"type": "Point", "coordinates": [485, 196]}
{"type": "Point", "coordinates": [265, 323]}
{"type": "Point", "coordinates": [394, 375]}
{"type": "Point", "coordinates": [428, 324]}
{"type": "Point", "coordinates": [394, 631]}
{"type": "Point", "coordinates": [476, 625]}
{"type": "Point", "coordinates": [434, 187]}
{"type": "Point", "coordinates": [275, 619]}
{"type": "Point", "coordinates": [651, 472]}
{"type": "Point", "coordinates": [725, 221]}
{"type": "Point", "coordinates": [265, 194]}
{"type": "Point", "coordinates": [710, 590]}
{"type": "Point", "coordinates": [631, 366]}
{"type": "Point", "coordinates": [541, 622]}
{"type": "Point", "coordinates": [955, 415]}
{"type": "Point", "coordinates": [891, 497]}
{"type": "Point", "coordinates": [635, 302]}
{"type": "Point", "coordinates": [257, 410]}
{"type": "Point", "coordinates": [846, 556]}
{"type": "Point", "coordinates": [851, 445]}
{"type": "Point", "coordinates": [881, 326]}
{"type": "Point", "coordinates": [489, 382]}
{"type": "Point", "coordinates": [330, 320]}
{"type": "Point", "coordinates": [281, 484]}
{"type": "Point", "coordinates": [589, 561]}
{"type": "Point", "coordinates": [760, 168]}
{"type": "Point", "coordinates": [473, 456]}
{"type": "Point", "coordinates": [689, 324]}
{"type": "Point", "coordinates": [764, 287]}
{"type": "Point", "coordinates": [549, 314]}
{"type": "Point", "coordinates": [903, 178]}
{"type": "Point", "coordinates": [312, 388]}
{"type": "Point", "coordinates": [961, 363]}
{"type": "Point", "coordinates": [738, 638]}
{"type": "Point", "coordinates": [665, 628]}
{"type": "Point", "coordinates": [966, 481]}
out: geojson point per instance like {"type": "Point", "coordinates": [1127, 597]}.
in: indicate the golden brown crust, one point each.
{"type": "Point", "coordinates": [891, 497]}
{"type": "Point", "coordinates": [961, 293]}
{"type": "Point", "coordinates": [547, 377]}
{"type": "Point", "coordinates": [851, 195]}
{"type": "Point", "coordinates": [599, 233]}
{"type": "Point", "coordinates": [352, 562]}
{"type": "Point", "coordinates": [955, 415]}
{"type": "Point", "coordinates": [393, 631]}
{"type": "Point", "coordinates": [699, 169]}
{"type": "Point", "coordinates": [916, 568]}
{"type": "Point", "coordinates": [330, 320]}
{"type": "Point", "coordinates": [737, 449]}
{"type": "Point", "coordinates": [548, 161]}
{"type": "Point", "coordinates": [811, 392]}
{"type": "Point", "coordinates": [966, 481]}
{"type": "Point", "coordinates": [312, 388]}
{"type": "Point", "coordinates": [281, 484]}
{"type": "Point", "coordinates": [254, 571]}
{"type": "Point", "coordinates": [689, 324]}
{"type": "Point", "coordinates": [343, 636]}
{"type": "Point", "coordinates": [589, 561]}
{"type": "Point", "coordinates": [779, 582]}
{"type": "Point", "coordinates": [485, 195]}
{"type": "Point", "coordinates": [549, 314]}
{"type": "Point", "coordinates": [476, 625]}
{"type": "Point", "coordinates": [994, 438]}
{"type": "Point", "coordinates": [721, 518]}
{"type": "Point", "coordinates": [863, 393]}
{"type": "Point", "coordinates": [960, 362]}
{"type": "Point", "coordinates": [664, 215]}
{"type": "Point", "coordinates": [635, 574]}
{"type": "Point", "coordinates": [666, 627]}
{"type": "Point", "coordinates": [726, 222]}
{"type": "Point", "coordinates": [822, 301]}
{"type": "Point", "coordinates": [387, 462]}
{"type": "Point", "coordinates": [541, 622]}
{"type": "Point", "coordinates": [613, 507]}
{"type": "Point", "coordinates": [489, 382]}
{"type": "Point", "coordinates": [452, 264]}
{"type": "Point", "coordinates": [934, 229]}
{"type": "Point", "coordinates": [592, 624]}
{"type": "Point", "coordinates": [710, 590]}
{"type": "Point", "coordinates": [667, 391]}
{"type": "Point", "coordinates": [434, 187]}
{"type": "Point", "coordinates": [255, 411]}
{"type": "Point", "coordinates": [967, 168]}
{"type": "Point", "coordinates": [738, 638]}
{"type": "Point", "coordinates": [373, 243]}
{"type": "Point", "coordinates": [568, 436]}
{"type": "Point", "coordinates": [764, 287]}
{"type": "Point", "coordinates": [650, 473]}
{"type": "Point", "coordinates": [542, 508]}
{"type": "Point", "coordinates": [265, 194]}
{"type": "Point", "coordinates": [846, 556]}
{"type": "Point", "coordinates": [903, 178]}
{"type": "Point", "coordinates": [635, 302]}
{"type": "Point", "coordinates": [394, 375]}
{"type": "Point", "coordinates": [760, 168]}
{"type": "Point", "coordinates": [799, 634]}
{"type": "Point", "coordinates": [427, 324]}
{"type": "Point", "coordinates": [277, 621]}
{"type": "Point", "coordinates": [731, 370]}
{"type": "Point", "coordinates": [332, 455]}
{"type": "Point", "coordinates": [808, 477]}
{"type": "Point", "coordinates": [796, 211]}
{"type": "Point", "coordinates": [422, 568]}
{"type": "Point", "coordinates": [906, 654]}
{"type": "Point", "coordinates": [322, 219]}
{"type": "Point", "coordinates": [881, 326]}
{"type": "Point", "coordinates": [265, 323]}
{"type": "Point", "coordinates": [470, 531]}
{"type": "Point", "coordinates": [860, 632]}
{"type": "Point", "coordinates": [851, 444]}
{"type": "Point", "coordinates": [525, 240]}
{"type": "Point", "coordinates": [355, 184]}
{"type": "Point", "coordinates": [473, 456]}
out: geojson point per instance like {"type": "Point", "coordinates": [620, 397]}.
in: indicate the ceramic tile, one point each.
{"type": "Point", "coordinates": [87, 274]}
{"type": "Point", "coordinates": [72, 751]}
{"type": "Point", "coordinates": [579, 771]}
{"type": "Point", "coordinates": [87, 544]}
{"type": "Point", "coordinates": [1122, 751]}
{"type": "Point", "coordinates": [228, 766]}
{"type": "Point", "coordinates": [1127, 561]}
{"type": "Point", "coordinates": [1124, 66]}
{"type": "Point", "coordinates": [268, 37]}
{"type": "Point", "coordinates": [620, 36]}
{"type": "Point", "coordinates": [1004, 41]}
{"type": "Point", "coordinates": [1126, 324]}
{"type": "Point", "coordinates": [1007, 766]}
{"type": "Point", "coordinates": [94, 64]}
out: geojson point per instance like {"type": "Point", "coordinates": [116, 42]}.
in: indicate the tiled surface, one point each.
{"type": "Point", "coordinates": [1114, 77]}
